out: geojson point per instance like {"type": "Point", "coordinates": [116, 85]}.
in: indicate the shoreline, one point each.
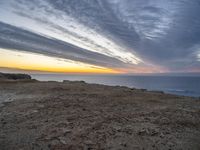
{"type": "Point", "coordinates": [81, 81]}
{"type": "Point", "coordinates": [182, 87]}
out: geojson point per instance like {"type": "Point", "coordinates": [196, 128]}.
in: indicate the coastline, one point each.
{"type": "Point", "coordinates": [183, 86]}
{"type": "Point", "coordinates": [78, 115]}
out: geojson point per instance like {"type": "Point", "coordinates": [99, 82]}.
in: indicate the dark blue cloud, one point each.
{"type": "Point", "coordinates": [161, 33]}
{"type": "Point", "coordinates": [15, 38]}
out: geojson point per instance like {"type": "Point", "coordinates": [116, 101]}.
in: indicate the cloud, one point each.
{"type": "Point", "coordinates": [19, 39]}
{"type": "Point", "coordinates": [112, 33]}
{"type": "Point", "coordinates": [74, 31]}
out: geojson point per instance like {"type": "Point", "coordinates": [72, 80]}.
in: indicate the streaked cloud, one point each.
{"type": "Point", "coordinates": [130, 35]}
{"type": "Point", "coordinates": [198, 56]}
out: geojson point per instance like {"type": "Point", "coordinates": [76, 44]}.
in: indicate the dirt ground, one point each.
{"type": "Point", "coordinates": [75, 115]}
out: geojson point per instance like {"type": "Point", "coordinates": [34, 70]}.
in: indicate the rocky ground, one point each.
{"type": "Point", "coordinates": [75, 115]}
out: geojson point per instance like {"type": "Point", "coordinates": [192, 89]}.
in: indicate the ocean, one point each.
{"type": "Point", "coordinates": [178, 85]}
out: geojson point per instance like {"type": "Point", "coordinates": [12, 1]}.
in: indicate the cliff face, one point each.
{"type": "Point", "coordinates": [14, 76]}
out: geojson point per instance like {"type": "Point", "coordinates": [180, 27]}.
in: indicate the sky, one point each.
{"type": "Point", "coordinates": [100, 36]}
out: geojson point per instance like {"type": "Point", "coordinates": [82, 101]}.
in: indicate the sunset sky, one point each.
{"type": "Point", "coordinates": [100, 36]}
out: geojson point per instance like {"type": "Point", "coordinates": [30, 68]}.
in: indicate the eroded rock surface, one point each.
{"type": "Point", "coordinates": [77, 115]}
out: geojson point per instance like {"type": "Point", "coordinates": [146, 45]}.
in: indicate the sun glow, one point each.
{"type": "Point", "coordinates": [38, 62]}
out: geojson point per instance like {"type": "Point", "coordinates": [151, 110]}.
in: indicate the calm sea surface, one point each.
{"type": "Point", "coordinates": [187, 86]}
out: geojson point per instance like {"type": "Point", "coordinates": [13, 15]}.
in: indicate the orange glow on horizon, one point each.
{"type": "Point", "coordinates": [38, 62]}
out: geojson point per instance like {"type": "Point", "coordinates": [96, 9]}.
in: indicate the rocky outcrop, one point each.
{"type": "Point", "coordinates": [14, 76]}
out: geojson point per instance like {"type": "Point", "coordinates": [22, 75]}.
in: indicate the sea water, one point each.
{"type": "Point", "coordinates": [179, 85]}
